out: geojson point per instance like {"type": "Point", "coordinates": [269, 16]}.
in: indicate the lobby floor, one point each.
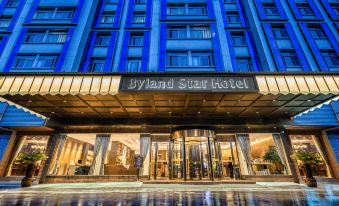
{"type": "Point", "coordinates": [137, 193]}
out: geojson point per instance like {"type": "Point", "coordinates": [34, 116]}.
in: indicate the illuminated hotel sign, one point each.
{"type": "Point", "coordinates": [188, 84]}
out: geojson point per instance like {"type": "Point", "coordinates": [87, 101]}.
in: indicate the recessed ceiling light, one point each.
{"type": "Point", "coordinates": [169, 112]}
{"type": "Point", "coordinates": [239, 100]}
{"type": "Point", "coordinates": [309, 100]}
{"type": "Point", "coordinates": [52, 112]}
{"type": "Point", "coordinates": [64, 101]}
{"type": "Point", "coordinates": [30, 101]}
{"type": "Point", "coordinates": [204, 100]}
{"type": "Point", "coordinates": [82, 112]}
{"type": "Point", "coordinates": [274, 100]}
{"type": "Point", "coordinates": [199, 112]}
{"type": "Point", "coordinates": [140, 112]}
{"type": "Point", "coordinates": [111, 112]}
{"type": "Point", "coordinates": [257, 112]}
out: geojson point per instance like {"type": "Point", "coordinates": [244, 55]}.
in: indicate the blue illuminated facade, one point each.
{"type": "Point", "coordinates": [169, 36]}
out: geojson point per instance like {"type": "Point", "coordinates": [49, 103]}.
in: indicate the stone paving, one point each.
{"type": "Point", "coordinates": [137, 193]}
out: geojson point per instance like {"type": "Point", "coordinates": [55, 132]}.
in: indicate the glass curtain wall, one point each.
{"type": "Point", "coordinates": [91, 154]}
{"type": "Point", "coordinates": [159, 160]}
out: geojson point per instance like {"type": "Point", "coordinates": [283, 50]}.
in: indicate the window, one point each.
{"type": "Point", "coordinates": [97, 65]}
{"type": "Point", "coordinates": [186, 9]}
{"type": "Point", "coordinates": [140, 1]}
{"type": "Point", "coordinates": [133, 65]}
{"type": "Point", "coordinates": [136, 40]}
{"type": "Point", "coordinates": [139, 18]}
{"type": "Point", "coordinates": [189, 31]}
{"type": "Point", "coordinates": [202, 59]}
{"type": "Point", "coordinates": [111, 2]}
{"type": "Point", "coordinates": [177, 59]}
{"type": "Point", "coordinates": [12, 3]}
{"type": "Point", "coordinates": [193, 59]}
{"type": "Point", "coordinates": [244, 64]}
{"type": "Point", "coordinates": [290, 59]}
{"type": "Point", "coordinates": [36, 61]}
{"type": "Point", "coordinates": [48, 36]}
{"type": "Point", "coordinates": [238, 39]}
{"type": "Point", "coordinates": [317, 32]}
{"type": "Point", "coordinates": [271, 10]}
{"type": "Point", "coordinates": [102, 39]}
{"type": "Point", "coordinates": [4, 22]}
{"type": "Point", "coordinates": [280, 32]}
{"type": "Point", "coordinates": [55, 13]}
{"type": "Point", "coordinates": [229, 1]}
{"type": "Point", "coordinates": [336, 10]}
{"type": "Point", "coordinates": [233, 17]}
{"type": "Point", "coordinates": [200, 32]}
{"type": "Point", "coordinates": [107, 18]}
{"type": "Point", "coordinates": [306, 10]}
{"type": "Point", "coordinates": [331, 58]}
{"type": "Point", "coordinates": [177, 32]}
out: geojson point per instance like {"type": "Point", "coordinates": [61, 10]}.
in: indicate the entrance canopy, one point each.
{"type": "Point", "coordinates": [86, 97]}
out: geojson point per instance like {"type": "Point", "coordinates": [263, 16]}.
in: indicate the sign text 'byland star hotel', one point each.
{"type": "Point", "coordinates": [189, 84]}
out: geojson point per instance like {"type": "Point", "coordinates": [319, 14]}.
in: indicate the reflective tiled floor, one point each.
{"type": "Point", "coordinates": [172, 195]}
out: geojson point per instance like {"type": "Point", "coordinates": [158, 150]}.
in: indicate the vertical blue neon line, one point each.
{"type": "Point", "coordinates": [16, 15]}
{"type": "Point", "coordinates": [223, 12]}
{"type": "Point", "coordinates": [64, 50]}
{"type": "Point", "coordinates": [130, 13]}
{"type": "Point", "coordinates": [210, 9]}
{"type": "Point", "coordinates": [295, 9]}
{"type": "Point", "coordinates": [145, 52]}
{"type": "Point", "coordinates": [231, 49]}
{"type": "Point", "coordinates": [89, 49]}
{"type": "Point", "coordinates": [99, 15]}
{"type": "Point", "coordinates": [118, 14]}
{"type": "Point", "coordinates": [15, 50]}
{"type": "Point", "coordinates": [148, 14]}
{"type": "Point", "coordinates": [162, 56]}
{"type": "Point", "coordinates": [282, 12]}
{"type": "Point", "coordinates": [313, 44]}
{"type": "Point", "coordinates": [216, 46]}
{"type": "Point", "coordinates": [297, 47]}
{"type": "Point", "coordinates": [163, 9]}
{"type": "Point", "coordinates": [32, 11]}
{"type": "Point", "coordinates": [260, 9]}
{"type": "Point", "coordinates": [274, 47]}
{"type": "Point", "coordinates": [253, 53]}
{"type": "Point", "coordinates": [124, 52]}
{"type": "Point", "coordinates": [241, 13]}
{"type": "Point", "coordinates": [78, 11]}
{"type": "Point", "coordinates": [315, 10]}
{"type": "Point", "coordinates": [110, 52]}
{"type": "Point", "coordinates": [331, 37]}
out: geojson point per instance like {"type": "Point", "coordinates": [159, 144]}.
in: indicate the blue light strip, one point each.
{"type": "Point", "coordinates": [78, 11]}
{"type": "Point", "coordinates": [253, 53]}
{"type": "Point", "coordinates": [260, 9]}
{"type": "Point", "coordinates": [297, 47]}
{"type": "Point", "coordinates": [313, 44]}
{"type": "Point", "coordinates": [130, 13]}
{"type": "Point", "coordinates": [210, 9]}
{"type": "Point", "coordinates": [3, 6]}
{"type": "Point", "coordinates": [163, 9]}
{"type": "Point", "coordinates": [118, 14]}
{"type": "Point", "coordinates": [110, 52]}
{"type": "Point", "coordinates": [283, 15]}
{"type": "Point", "coordinates": [148, 14]}
{"type": "Point", "coordinates": [329, 10]}
{"type": "Point", "coordinates": [99, 15]}
{"type": "Point", "coordinates": [216, 46]}
{"type": "Point", "coordinates": [89, 50]}
{"type": "Point", "coordinates": [145, 51]}
{"type": "Point", "coordinates": [295, 9]}
{"type": "Point", "coordinates": [331, 37]}
{"type": "Point", "coordinates": [16, 15]}
{"type": "Point", "coordinates": [231, 49]}
{"type": "Point", "coordinates": [274, 47]}
{"type": "Point", "coordinates": [315, 10]}
{"type": "Point", "coordinates": [241, 13]}
{"type": "Point", "coordinates": [124, 52]}
{"type": "Point", "coordinates": [15, 50]}
{"type": "Point", "coordinates": [32, 11]}
{"type": "Point", "coordinates": [162, 60]}
{"type": "Point", "coordinates": [223, 12]}
{"type": "Point", "coordinates": [64, 50]}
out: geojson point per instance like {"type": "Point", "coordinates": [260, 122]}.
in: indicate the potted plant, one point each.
{"type": "Point", "coordinates": [308, 159]}
{"type": "Point", "coordinates": [30, 160]}
{"type": "Point", "coordinates": [272, 155]}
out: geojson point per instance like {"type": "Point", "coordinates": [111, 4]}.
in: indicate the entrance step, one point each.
{"type": "Point", "coordinates": [217, 182]}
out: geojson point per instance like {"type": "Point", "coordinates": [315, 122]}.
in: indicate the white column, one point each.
{"type": "Point", "coordinates": [145, 152]}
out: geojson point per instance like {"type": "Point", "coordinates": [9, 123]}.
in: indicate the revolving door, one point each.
{"type": "Point", "coordinates": [192, 155]}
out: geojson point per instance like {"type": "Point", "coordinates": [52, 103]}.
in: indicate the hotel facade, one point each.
{"type": "Point", "coordinates": [203, 90]}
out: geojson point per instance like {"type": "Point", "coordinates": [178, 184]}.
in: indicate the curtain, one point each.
{"type": "Point", "coordinates": [145, 144]}
{"type": "Point", "coordinates": [322, 154]}
{"type": "Point", "coordinates": [245, 149]}
{"type": "Point", "coordinates": [16, 150]}
{"type": "Point", "coordinates": [280, 150]}
{"type": "Point", "coordinates": [100, 150]}
{"type": "Point", "coordinates": [59, 145]}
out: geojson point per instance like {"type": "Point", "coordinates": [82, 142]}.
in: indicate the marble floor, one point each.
{"type": "Point", "coordinates": [137, 193]}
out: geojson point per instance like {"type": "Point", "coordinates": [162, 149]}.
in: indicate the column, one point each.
{"type": "Point", "coordinates": [54, 142]}
{"type": "Point", "coordinates": [145, 152]}
{"type": "Point", "coordinates": [244, 153]}
{"type": "Point", "coordinates": [100, 152]}
{"type": "Point", "coordinates": [291, 164]}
